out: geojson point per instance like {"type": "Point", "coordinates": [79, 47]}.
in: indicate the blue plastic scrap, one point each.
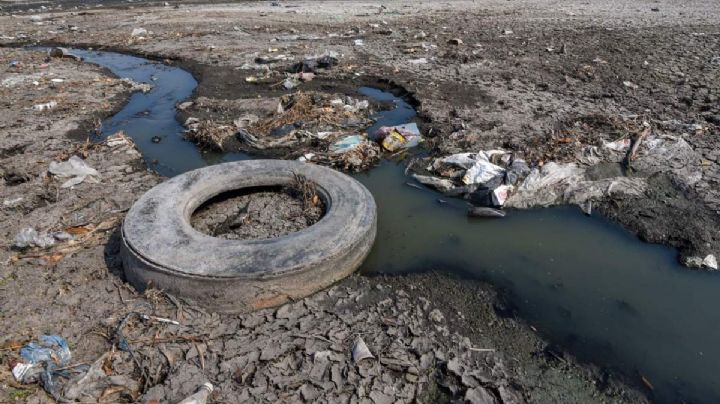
{"type": "Point", "coordinates": [51, 349]}
{"type": "Point", "coordinates": [52, 354]}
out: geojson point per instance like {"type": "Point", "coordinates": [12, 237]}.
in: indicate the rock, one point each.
{"type": "Point", "coordinates": [479, 395]}
{"type": "Point", "coordinates": [455, 367]}
{"type": "Point", "coordinates": [320, 363]}
{"type": "Point", "coordinates": [308, 392]}
{"type": "Point", "coordinates": [508, 396]}
{"type": "Point", "coordinates": [710, 262]}
{"type": "Point", "coordinates": [436, 316]}
{"type": "Point", "coordinates": [381, 398]}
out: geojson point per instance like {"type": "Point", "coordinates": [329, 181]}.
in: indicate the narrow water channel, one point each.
{"type": "Point", "coordinates": [584, 283]}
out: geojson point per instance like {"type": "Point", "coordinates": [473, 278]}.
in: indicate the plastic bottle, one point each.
{"type": "Point", "coordinates": [201, 396]}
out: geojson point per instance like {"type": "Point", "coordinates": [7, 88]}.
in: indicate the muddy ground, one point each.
{"type": "Point", "coordinates": [258, 214]}
{"type": "Point", "coordinates": [542, 79]}
{"type": "Point", "coordinates": [433, 338]}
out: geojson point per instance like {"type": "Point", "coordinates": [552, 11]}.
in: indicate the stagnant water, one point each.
{"type": "Point", "coordinates": [583, 282]}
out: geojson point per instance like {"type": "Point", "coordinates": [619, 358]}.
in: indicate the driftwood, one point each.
{"type": "Point", "coordinates": [636, 146]}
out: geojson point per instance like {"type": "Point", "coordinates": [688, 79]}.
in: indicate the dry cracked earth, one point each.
{"type": "Point", "coordinates": [546, 80]}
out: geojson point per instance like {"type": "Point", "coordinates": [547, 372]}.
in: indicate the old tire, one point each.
{"type": "Point", "coordinates": [161, 248]}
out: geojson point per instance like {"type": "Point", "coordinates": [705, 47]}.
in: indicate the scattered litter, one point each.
{"type": "Point", "coordinates": [518, 169]}
{"type": "Point", "coordinates": [501, 194]}
{"type": "Point", "coordinates": [74, 167]}
{"type": "Point", "coordinates": [310, 65]}
{"type": "Point", "coordinates": [46, 106]}
{"type": "Point", "coordinates": [25, 372]}
{"type": "Point", "coordinates": [361, 351]}
{"type": "Point", "coordinates": [306, 157]}
{"type": "Point", "coordinates": [621, 145]}
{"type": "Point", "coordinates": [135, 86]}
{"type": "Point", "coordinates": [483, 172]}
{"type": "Point", "coordinates": [63, 53]}
{"type": "Point", "coordinates": [97, 386]}
{"type": "Point", "coordinates": [482, 211]}
{"type": "Point", "coordinates": [290, 83]}
{"type": "Point", "coordinates": [245, 120]}
{"type": "Point", "coordinates": [418, 61]}
{"type": "Point", "coordinates": [45, 361]}
{"type": "Point", "coordinates": [29, 237]}
{"type": "Point", "coordinates": [441, 184]}
{"type": "Point", "coordinates": [200, 397]}
{"type": "Point", "coordinates": [139, 32]}
{"type": "Point", "coordinates": [12, 202]}
{"type": "Point", "coordinates": [399, 137]}
{"type": "Point", "coordinates": [346, 144]}
{"type": "Point", "coordinates": [630, 84]}
{"type": "Point", "coordinates": [566, 183]}
{"type": "Point", "coordinates": [158, 319]}
{"type": "Point", "coordinates": [270, 59]}
{"type": "Point", "coordinates": [117, 139]}
{"type": "Point", "coordinates": [359, 42]}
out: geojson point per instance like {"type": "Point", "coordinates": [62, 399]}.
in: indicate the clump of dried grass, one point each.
{"type": "Point", "coordinates": [305, 190]}
{"type": "Point", "coordinates": [210, 134]}
{"type": "Point", "coordinates": [302, 107]}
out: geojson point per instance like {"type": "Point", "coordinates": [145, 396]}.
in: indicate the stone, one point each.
{"type": "Point", "coordinates": [381, 398]}
{"type": "Point", "coordinates": [479, 395]}
{"type": "Point", "coordinates": [436, 316]}
{"type": "Point", "coordinates": [308, 392]}
{"type": "Point", "coordinates": [710, 262]}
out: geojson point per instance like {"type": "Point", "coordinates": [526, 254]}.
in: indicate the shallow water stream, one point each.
{"type": "Point", "coordinates": [584, 283]}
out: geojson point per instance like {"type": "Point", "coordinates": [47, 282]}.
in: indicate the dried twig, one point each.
{"type": "Point", "coordinates": [636, 146]}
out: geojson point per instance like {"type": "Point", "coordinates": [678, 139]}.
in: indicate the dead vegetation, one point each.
{"type": "Point", "coordinates": [570, 136]}
{"type": "Point", "coordinates": [209, 134]}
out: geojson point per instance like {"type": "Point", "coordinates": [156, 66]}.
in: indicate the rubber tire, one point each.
{"type": "Point", "coordinates": [161, 248]}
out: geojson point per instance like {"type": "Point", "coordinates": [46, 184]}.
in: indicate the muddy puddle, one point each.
{"type": "Point", "coordinates": [582, 282]}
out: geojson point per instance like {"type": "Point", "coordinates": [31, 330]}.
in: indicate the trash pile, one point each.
{"type": "Point", "coordinates": [295, 74]}
{"type": "Point", "coordinates": [314, 127]}
{"type": "Point", "coordinates": [47, 361]}
{"type": "Point", "coordinates": [558, 183]}
{"type": "Point", "coordinates": [486, 178]}
{"type": "Point", "coordinates": [496, 179]}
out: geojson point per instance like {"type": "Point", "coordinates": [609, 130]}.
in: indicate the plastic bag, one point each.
{"type": "Point", "coordinates": [75, 167]}
{"type": "Point", "coordinates": [346, 144]}
{"type": "Point", "coordinates": [29, 237]}
{"type": "Point", "coordinates": [49, 349]}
